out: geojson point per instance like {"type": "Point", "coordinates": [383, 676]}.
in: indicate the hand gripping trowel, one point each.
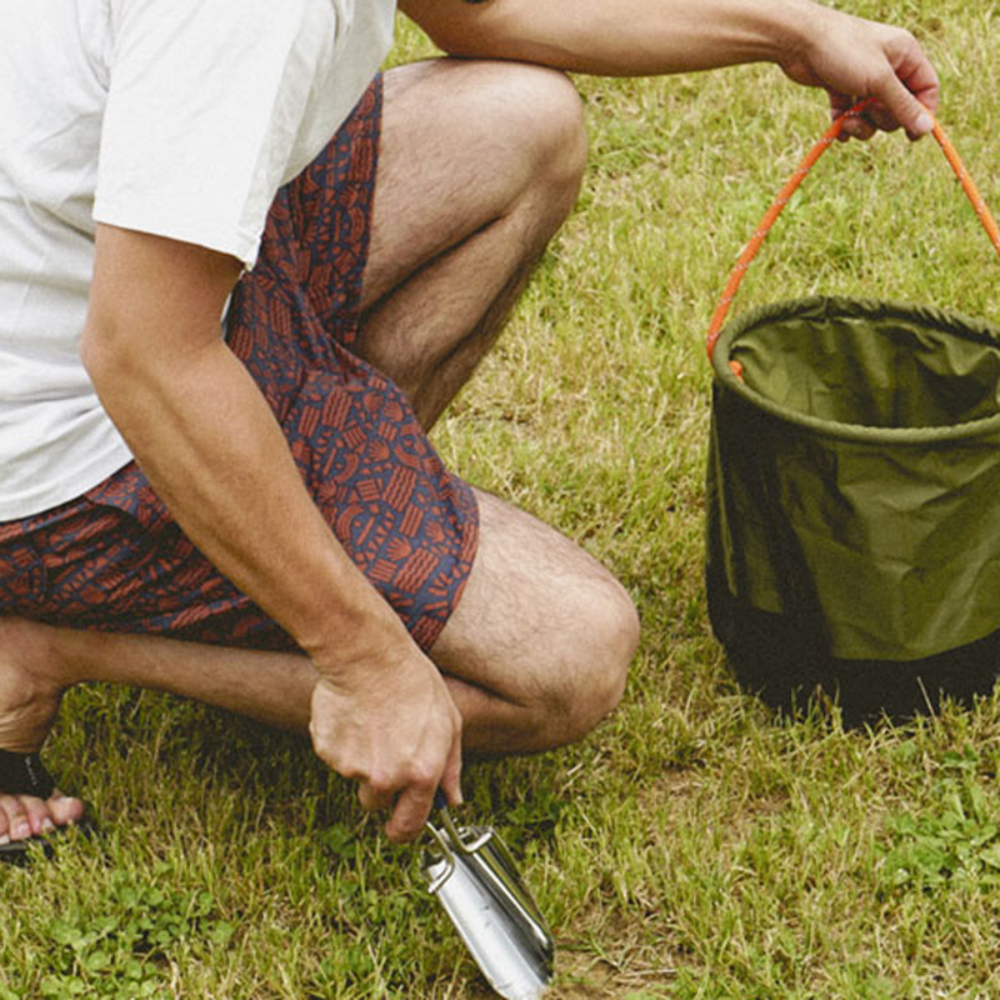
{"type": "Point", "coordinates": [471, 871]}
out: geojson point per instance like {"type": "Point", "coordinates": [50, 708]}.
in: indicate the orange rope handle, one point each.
{"type": "Point", "coordinates": [968, 186]}
{"type": "Point", "coordinates": [791, 186]}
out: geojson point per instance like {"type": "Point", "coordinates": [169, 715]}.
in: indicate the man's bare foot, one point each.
{"type": "Point", "coordinates": [30, 692]}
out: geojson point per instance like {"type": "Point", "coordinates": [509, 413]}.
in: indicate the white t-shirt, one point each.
{"type": "Point", "coordinates": [175, 117]}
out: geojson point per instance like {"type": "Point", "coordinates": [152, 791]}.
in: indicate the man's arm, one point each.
{"type": "Point", "coordinates": [207, 440]}
{"type": "Point", "coordinates": [814, 45]}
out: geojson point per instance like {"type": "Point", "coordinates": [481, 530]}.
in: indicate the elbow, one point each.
{"type": "Point", "coordinates": [100, 360]}
{"type": "Point", "coordinates": [466, 29]}
{"type": "Point", "coordinates": [116, 362]}
{"type": "Point", "coordinates": [92, 354]}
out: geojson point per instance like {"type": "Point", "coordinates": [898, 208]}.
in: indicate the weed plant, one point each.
{"type": "Point", "coordinates": [694, 846]}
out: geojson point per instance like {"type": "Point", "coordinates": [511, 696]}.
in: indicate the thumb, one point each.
{"type": "Point", "coordinates": [904, 107]}
{"type": "Point", "coordinates": [451, 777]}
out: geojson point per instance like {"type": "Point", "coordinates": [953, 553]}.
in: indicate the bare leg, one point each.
{"type": "Point", "coordinates": [31, 686]}
{"type": "Point", "coordinates": [541, 641]}
{"type": "Point", "coordinates": [458, 227]}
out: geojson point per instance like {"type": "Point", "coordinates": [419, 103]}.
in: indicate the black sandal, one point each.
{"type": "Point", "coordinates": [24, 774]}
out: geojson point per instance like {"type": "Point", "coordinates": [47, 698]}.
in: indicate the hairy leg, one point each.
{"type": "Point", "coordinates": [541, 640]}
{"type": "Point", "coordinates": [479, 165]}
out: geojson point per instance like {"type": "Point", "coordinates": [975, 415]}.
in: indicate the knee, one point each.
{"type": "Point", "coordinates": [558, 133]}
{"type": "Point", "coordinates": [542, 114]}
{"type": "Point", "coordinates": [590, 681]}
{"type": "Point", "coordinates": [557, 128]}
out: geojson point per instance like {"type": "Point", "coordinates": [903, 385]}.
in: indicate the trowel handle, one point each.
{"type": "Point", "coordinates": [458, 840]}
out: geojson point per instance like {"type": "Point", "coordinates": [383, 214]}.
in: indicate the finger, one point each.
{"type": "Point", "coordinates": [839, 105]}
{"type": "Point", "coordinates": [412, 810]}
{"type": "Point", "coordinates": [855, 126]}
{"type": "Point", "coordinates": [919, 77]}
{"type": "Point", "coordinates": [881, 118]}
{"type": "Point", "coordinates": [451, 777]}
{"type": "Point", "coordinates": [374, 799]}
{"type": "Point", "coordinates": [859, 128]}
{"type": "Point", "coordinates": [903, 106]}
{"type": "Point", "coordinates": [910, 88]}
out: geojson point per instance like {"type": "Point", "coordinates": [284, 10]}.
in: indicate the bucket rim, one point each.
{"type": "Point", "coordinates": [834, 306]}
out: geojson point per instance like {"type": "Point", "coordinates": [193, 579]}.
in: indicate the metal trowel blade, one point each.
{"type": "Point", "coordinates": [473, 876]}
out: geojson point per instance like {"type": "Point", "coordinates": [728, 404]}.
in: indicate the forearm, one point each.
{"type": "Point", "coordinates": [815, 45]}
{"type": "Point", "coordinates": [623, 38]}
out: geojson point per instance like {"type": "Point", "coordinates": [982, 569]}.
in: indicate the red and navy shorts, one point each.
{"type": "Point", "coordinates": [115, 559]}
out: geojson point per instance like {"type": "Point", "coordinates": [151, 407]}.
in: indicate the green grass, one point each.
{"type": "Point", "coordinates": [693, 846]}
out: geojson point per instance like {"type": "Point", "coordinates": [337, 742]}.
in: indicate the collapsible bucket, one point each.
{"type": "Point", "coordinates": [853, 493]}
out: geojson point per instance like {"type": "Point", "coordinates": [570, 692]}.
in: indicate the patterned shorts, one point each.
{"type": "Point", "coordinates": [115, 559]}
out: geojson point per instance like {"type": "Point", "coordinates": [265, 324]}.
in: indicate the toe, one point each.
{"type": "Point", "coordinates": [37, 814]}
{"type": "Point", "coordinates": [18, 824]}
{"type": "Point", "coordinates": [64, 809]}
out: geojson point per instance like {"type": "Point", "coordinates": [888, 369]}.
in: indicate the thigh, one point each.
{"type": "Point", "coordinates": [460, 141]}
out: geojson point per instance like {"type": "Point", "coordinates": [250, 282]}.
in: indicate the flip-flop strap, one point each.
{"type": "Point", "coordinates": [24, 774]}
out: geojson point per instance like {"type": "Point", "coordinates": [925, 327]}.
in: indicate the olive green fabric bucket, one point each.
{"type": "Point", "coordinates": [853, 497]}
{"type": "Point", "coordinates": [853, 493]}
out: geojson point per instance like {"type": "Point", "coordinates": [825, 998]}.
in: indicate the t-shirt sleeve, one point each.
{"type": "Point", "coordinates": [206, 100]}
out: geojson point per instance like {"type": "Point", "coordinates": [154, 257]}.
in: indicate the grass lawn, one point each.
{"type": "Point", "coordinates": [693, 846]}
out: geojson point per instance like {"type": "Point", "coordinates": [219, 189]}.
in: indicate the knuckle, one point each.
{"type": "Point", "coordinates": [397, 834]}
{"type": "Point", "coordinates": [401, 830]}
{"type": "Point", "coordinates": [406, 834]}
{"type": "Point", "coordinates": [424, 778]}
{"type": "Point", "coordinates": [325, 754]}
{"type": "Point", "coordinates": [380, 782]}
{"type": "Point", "coordinates": [319, 740]}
